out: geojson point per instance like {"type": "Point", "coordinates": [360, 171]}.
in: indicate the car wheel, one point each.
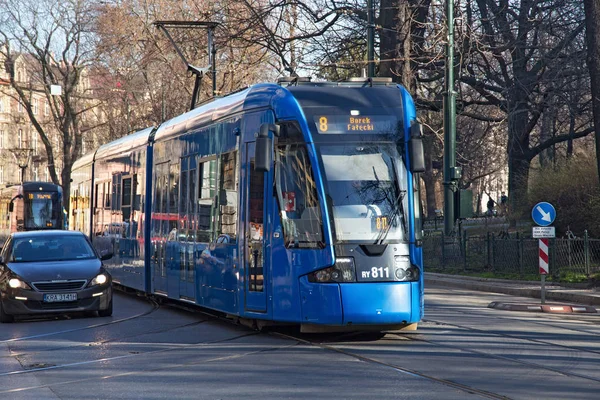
{"type": "Point", "coordinates": [4, 317]}
{"type": "Point", "coordinates": [107, 312]}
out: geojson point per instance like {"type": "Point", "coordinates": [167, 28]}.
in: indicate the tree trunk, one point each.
{"type": "Point", "coordinates": [519, 158]}
{"type": "Point", "coordinates": [388, 38]}
{"type": "Point", "coordinates": [429, 179]}
{"type": "Point", "coordinates": [592, 25]}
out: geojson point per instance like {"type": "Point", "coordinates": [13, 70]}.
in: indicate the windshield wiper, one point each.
{"type": "Point", "coordinates": [397, 210]}
{"type": "Point", "coordinates": [398, 206]}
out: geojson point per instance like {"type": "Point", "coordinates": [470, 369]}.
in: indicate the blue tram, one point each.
{"type": "Point", "coordinates": [282, 203]}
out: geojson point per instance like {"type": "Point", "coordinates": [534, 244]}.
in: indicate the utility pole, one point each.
{"type": "Point", "coordinates": [370, 40]}
{"type": "Point", "coordinates": [451, 172]}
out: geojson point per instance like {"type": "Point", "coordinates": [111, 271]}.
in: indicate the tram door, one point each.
{"type": "Point", "coordinates": [255, 234]}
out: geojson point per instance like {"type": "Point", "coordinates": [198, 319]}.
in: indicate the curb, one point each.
{"type": "Point", "coordinates": [547, 308]}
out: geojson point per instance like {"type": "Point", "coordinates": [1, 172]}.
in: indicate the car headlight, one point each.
{"type": "Point", "coordinates": [343, 271]}
{"type": "Point", "coordinates": [100, 279]}
{"type": "Point", "coordinates": [16, 283]}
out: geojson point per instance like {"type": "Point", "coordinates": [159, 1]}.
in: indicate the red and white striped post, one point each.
{"type": "Point", "coordinates": [544, 256]}
{"type": "Point", "coordinates": [544, 262]}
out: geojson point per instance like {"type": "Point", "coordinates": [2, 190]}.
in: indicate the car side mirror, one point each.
{"type": "Point", "coordinates": [106, 256]}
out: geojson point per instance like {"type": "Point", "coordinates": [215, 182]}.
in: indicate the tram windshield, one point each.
{"type": "Point", "coordinates": [42, 210]}
{"type": "Point", "coordinates": [366, 187]}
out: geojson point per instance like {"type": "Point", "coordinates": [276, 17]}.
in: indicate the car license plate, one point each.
{"type": "Point", "coordinates": [51, 298]}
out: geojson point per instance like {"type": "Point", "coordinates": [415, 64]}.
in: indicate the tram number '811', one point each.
{"type": "Point", "coordinates": [379, 224]}
{"type": "Point", "coordinates": [376, 273]}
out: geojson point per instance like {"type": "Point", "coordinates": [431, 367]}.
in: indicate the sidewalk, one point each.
{"type": "Point", "coordinates": [570, 299]}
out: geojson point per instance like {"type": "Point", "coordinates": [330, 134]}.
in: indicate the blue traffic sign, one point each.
{"type": "Point", "coordinates": [543, 213]}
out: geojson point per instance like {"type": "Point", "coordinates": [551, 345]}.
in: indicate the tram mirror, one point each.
{"type": "Point", "coordinates": [416, 151]}
{"type": "Point", "coordinates": [264, 154]}
{"type": "Point", "coordinates": [264, 147]}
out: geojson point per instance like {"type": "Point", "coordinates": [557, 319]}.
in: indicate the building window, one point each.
{"type": "Point", "coordinates": [46, 108]}
{"type": "Point", "coordinates": [20, 138]}
{"type": "Point", "coordinates": [1, 139]}
{"type": "Point", "coordinates": [34, 138]}
{"type": "Point", "coordinates": [20, 107]}
{"type": "Point", "coordinates": [47, 175]}
{"type": "Point", "coordinates": [34, 104]}
{"type": "Point", "coordinates": [1, 174]}
{"type": "Point", "coordinates": [35, 173]}
{"type": "Point", "coordinates": [1, 105]}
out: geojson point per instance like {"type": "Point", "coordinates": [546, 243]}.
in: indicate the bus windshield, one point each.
{"type": "Point", "coordinates": [42, 210]}
{"type": "Point", "coordinates": [365, 187]}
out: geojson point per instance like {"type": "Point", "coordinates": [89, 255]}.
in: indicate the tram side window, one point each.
{"type": "Point", "coordinates": [296, 191]}
{"type": "Point", "coordinates": [183, 198]}
{"type": "Point", "coordinates": [106, 195]}
{"type": "Point", "coordinates": [116, 193]}
{"type": "Point", "coordinates": [228, 196]}
{"type": "Point", "coordinates": [207, 190]}
{"type": "Point", "coordinates": [126, 199]}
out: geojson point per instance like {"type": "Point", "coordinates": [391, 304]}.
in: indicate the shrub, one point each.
{"type": "Point", "coordinates": [573, 189]}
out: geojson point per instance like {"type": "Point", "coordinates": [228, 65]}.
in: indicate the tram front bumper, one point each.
{"type": "Point", "coordinates": [382, 303]}
{"type": "Point", "coordinates": [378, 304]}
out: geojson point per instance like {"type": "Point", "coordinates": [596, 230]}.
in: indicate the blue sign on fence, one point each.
{"type": "Point", "coordinates": [543, 213]}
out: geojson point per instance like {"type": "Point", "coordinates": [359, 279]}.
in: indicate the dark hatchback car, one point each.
{"type": "Point", "coordinates": [52, 272]}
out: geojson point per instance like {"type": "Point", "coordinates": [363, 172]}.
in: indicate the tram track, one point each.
{"type": "Point", "coordinates": [141, 371]}
{"type": "Point", "coordinates": [537, 366]}
{"type": "Point", "coordinates": [155, 307]}
{"type": "Point", "coordinates": [399, 368]}
{"type": "Point", "coordinates": [331, 344]}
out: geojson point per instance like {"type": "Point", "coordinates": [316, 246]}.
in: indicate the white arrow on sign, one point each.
{"type": "Point", "coordinates": [545, 215]}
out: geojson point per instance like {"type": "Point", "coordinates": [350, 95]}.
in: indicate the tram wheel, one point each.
{"type": "Point", "coordinates": [409, 327]}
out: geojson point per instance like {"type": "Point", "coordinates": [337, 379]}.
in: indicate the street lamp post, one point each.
{"type": "Point", "coordinates": [451, 171]}
{"type": "Point", "coordinates": [23, 158]}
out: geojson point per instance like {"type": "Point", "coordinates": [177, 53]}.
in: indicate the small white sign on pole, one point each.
{"type": "Point", "coordinates": [543, 232]}
{"type": "Point", "coordinates": [55, 90]}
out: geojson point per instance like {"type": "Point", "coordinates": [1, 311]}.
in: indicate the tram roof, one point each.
{"type": "Point", "coordinates": [125, 144]}
{"type": "Point", "coordinates": [257, 96]}
{"type": "Point", "coordinates": [319, 95]}
{"type": "Point", "coordinates": [84, 160]}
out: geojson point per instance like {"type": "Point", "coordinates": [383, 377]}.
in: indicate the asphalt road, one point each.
{"type": "Point", "coordinates": [148, 351]}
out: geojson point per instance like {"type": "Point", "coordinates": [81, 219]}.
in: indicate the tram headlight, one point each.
{"type": "Point", "coordinates": [343, 271]}
{"type": "Point", "coordinates": [405, 271]}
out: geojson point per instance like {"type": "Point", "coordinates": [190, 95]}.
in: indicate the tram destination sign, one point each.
{"type": "Point", "coordinates": [543, 232]}
{"type": "Point", "coordinates": [356, 124]}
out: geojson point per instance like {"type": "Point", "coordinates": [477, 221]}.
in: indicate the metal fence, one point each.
{"type": "Point", "coordinates": [506, 255]}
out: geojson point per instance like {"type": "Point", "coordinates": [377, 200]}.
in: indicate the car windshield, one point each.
{"type": "Point", "coordinates": [365, 187]}
{"type": "Point", "coordinates": [51, 248]}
